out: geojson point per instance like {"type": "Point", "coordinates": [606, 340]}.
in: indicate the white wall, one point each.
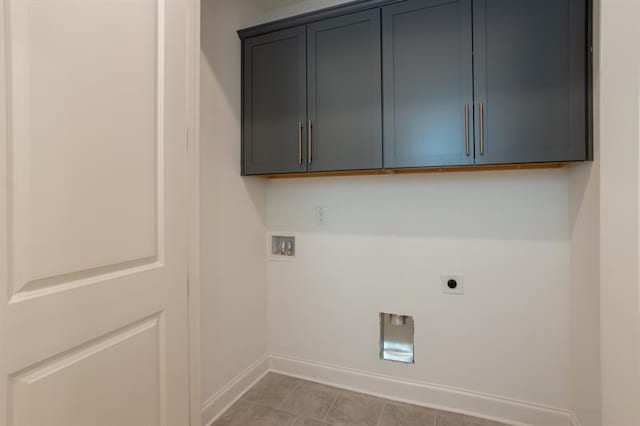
{"type": "Point", "coordinates": [584, 211]}
{"type": "Point", "coordinates": [619, 215]}
{"type": "Point", "coordinates": [233, 273]}
{"type": "Point", "coordinates": [387, 241]}
{"type": "Point", "coordinates": [584, 216]}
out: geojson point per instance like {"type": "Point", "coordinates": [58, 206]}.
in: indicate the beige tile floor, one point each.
{"type": "Point", "coordinates": [279, 400]}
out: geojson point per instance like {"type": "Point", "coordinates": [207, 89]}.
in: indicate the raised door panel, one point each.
{"type": "Point", "coordinates": [79, 387]}
{"type": "Point", "coordinates": [81, 148]}
{"type": "Point", "coordinates": [345, 105]}
{"type": "Point", "coordinates": [274, 103]}
{"type": "Point", "coordinates": [427, 69]}
{"type": "Point", "coordinates": [530, 81]}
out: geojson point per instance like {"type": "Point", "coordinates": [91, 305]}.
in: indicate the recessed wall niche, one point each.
{"type": "Point", "coordinates": [283, 246]}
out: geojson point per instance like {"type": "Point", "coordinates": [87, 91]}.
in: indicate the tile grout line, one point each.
{"type": "Point", "coordinates": [297, 416]}
{"type": "Point", "coordinates": [384, 404]}
{"type": "Point", "coordinates": [279, 407]}
{"type": "Point", "coordinates": [331, 407]}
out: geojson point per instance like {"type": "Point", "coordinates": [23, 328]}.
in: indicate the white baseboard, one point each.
{"type": "Point", "coordinates": [492, 407]}
{"type": "Point", "coordinates": [232, 391]}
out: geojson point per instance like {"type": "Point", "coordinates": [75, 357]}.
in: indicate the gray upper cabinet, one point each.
{"type": "Point", "coordinates": [344, 94]}
{"type": "Point", "coordinates": [428, 83]}
{"type": "Point", "coordinates": [274, 103]}
{"type": "Point", "coordinates": [402, 84]}
{"type": "Point", "coordinates": [530, 81]}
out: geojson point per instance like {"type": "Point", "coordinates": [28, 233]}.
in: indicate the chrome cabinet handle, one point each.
{"type": "Point", "coordinates": [481, 108]}
{"type": "Point", "coordinates": [310, 143]}
{"type": "Point", "coordinates": [300, 129]}
{"type": "Point", "coordinates": [466, 129]}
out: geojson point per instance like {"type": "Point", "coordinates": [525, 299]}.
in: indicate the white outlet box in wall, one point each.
{"type": "Point", "coordinates": [452, 283]}
{"type": "Point", "coordinates": [321, 215]}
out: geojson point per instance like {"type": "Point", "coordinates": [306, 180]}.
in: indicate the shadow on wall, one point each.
{"type": "Point", "coordinates": [496, 205]}
{"type": "Point", "coordinates": [220, 100]}
{"type": "Point", "coordinates": [232, 210]}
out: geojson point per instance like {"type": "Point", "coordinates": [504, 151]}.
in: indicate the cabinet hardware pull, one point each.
{"type": "Point", "coordinates": [300, 129]}
{"type": "Point", "coordinates": [466, 129]}
{"type": "Point", "coordinates": [310, 147]}
{"type": "Point", "coordinates": [481, 128]}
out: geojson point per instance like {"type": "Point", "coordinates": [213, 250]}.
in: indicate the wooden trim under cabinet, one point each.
{"type": "Point", "coordinates": [473, 168]}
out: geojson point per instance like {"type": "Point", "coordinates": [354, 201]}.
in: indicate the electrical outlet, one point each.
{"type": "Point", "coordinates": [452, 283]}
{"type": "Point", "coordinates": [321, 216]}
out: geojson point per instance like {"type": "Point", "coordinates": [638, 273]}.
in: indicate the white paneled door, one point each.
{"type": "Point", "coordinates": [93, 212]}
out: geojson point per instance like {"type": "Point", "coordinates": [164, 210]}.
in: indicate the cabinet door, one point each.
{"type": "Point", "coordinates": [428, 93]}
{"type": "Point", "coordinates": [345, 102]}
{"type": "Point", "coordinates": [274, 103]}
{"type": "Point", "coordinates": [530, 81]}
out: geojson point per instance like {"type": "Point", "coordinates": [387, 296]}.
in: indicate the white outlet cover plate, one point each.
{"type": "Point", "coordinates": [444, 278]}
{"type": "Point", "coordinates": [321, 215]}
